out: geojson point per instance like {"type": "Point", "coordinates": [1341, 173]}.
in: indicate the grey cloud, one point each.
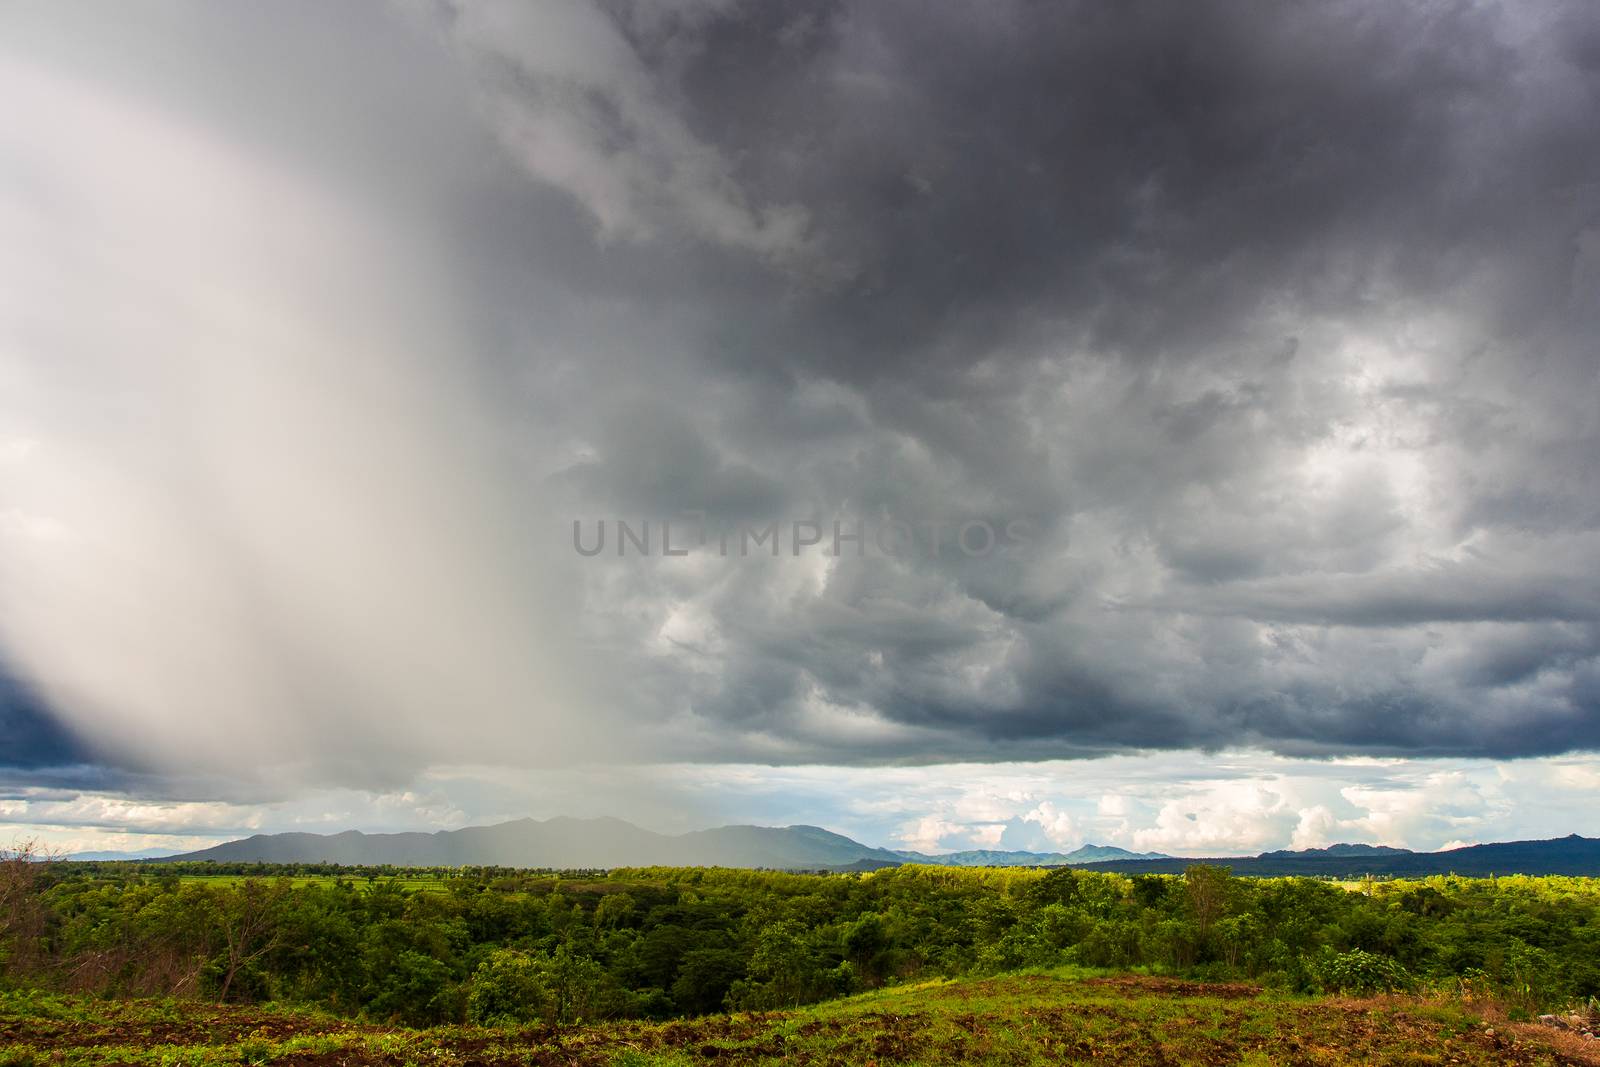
{"type": "Point", "coordinates": [1444, 593]}
{"type": "Point", "coordinates": [653, 462]}
{"type": "Point", "coordinates": [1139, 181]}
{"type": "Point", "coordinates": [1275, 323]}
{"type": "Point", "coordinates": [30, 736]}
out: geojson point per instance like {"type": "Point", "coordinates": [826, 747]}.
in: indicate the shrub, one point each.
{"type": "Point", "coordinates": [1361, 972]}
{"type": "Point", "coordinates": [508, 987]}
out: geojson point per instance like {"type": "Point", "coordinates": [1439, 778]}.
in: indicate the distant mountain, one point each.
{"type": "Point", "coordinates": [994, 858]}
{"type": "Point", "coordinates": [606, 842]}
{"type": "Point", "coordinates": [111, 857]}
{"type": "Point", "coordinates": [599, 843]}
{"type": "Point", "coordinates": [1102, 853]}
{"type": "Point", "coordinates": [1572, 855]}
{"type": "Point", "coordinates": [1341, 850]}
{"type": "Point", "coordinates": [771, 846]}
{"type": "Point", "coordinates": [560, 842]}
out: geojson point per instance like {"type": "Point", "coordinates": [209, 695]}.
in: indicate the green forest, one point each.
{"type": "Point", "coordinates": [500, 946]}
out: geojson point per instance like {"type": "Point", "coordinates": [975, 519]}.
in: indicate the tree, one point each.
{"type": "Point", "coordinates": [576, 983]}
{"type": "Point", "coordinates": [785, 970]}
{"type": "Point", "coordinates": [23, 916]}
{"type": "Point", "coordinates": [1240, 936]}
{"type": "Point", "coordinates": [1060, 886]}
{"type": "Point", "coordinates": [864, 940]}
{"type": "Point", "coordinates": [704, 979]}
{"type": "Point", "coordinates": [508, 987]}
{"type": "Point", "coordinates": [418, 990]}
{"type": "Point", "coordinates": [614, 910]}
{"type": "Point", "coordinates": [1207, 888]}
{"type": "Point", "coordinates": [248, 918]}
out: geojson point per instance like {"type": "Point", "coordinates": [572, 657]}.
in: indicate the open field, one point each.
{"type": "Point", "coordinates": [410, 885]}
{"type": "Point", "coordinates": [1021, 1019]}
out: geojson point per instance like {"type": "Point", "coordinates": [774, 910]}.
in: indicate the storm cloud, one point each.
{"type": "Point", "coordinates": [1276, 325]}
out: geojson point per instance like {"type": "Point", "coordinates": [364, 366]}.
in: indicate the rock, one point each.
{"type": "Point", "coordinates": [1489, 1032]}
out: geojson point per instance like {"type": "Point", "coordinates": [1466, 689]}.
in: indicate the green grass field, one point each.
{"type": "Point", "coordinates": [1047, 1018]}
{"type": "Point", "coordinates": [410, 885]}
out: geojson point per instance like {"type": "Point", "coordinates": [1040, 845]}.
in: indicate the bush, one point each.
{"type": "Point", "coordinates": [508, 987]}
{"type": "Point", "coordinates": [417, 990]}
{"type": "Point", "coordinates": [1362, 972]}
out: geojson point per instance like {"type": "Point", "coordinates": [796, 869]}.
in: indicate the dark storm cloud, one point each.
{"type": "Point", "coordinates": [1139, 178]}
{"type": "Point", "coordinates": [1136, 272]}
{"type": "Point", "coordinates": [1442, 594]}
{"type": "Point", "coordinates": [1275, 323]}
{"type": "Point", "coordinates": [30, 737]}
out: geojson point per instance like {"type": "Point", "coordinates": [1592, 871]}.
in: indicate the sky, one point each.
{"type": "Point", "coordinates": [1166, 425]}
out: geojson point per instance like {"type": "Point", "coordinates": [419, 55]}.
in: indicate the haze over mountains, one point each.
{"type": "Point", "coordinates": [113, 856]}
{"type": "Point", "coordinates": [608, 842]}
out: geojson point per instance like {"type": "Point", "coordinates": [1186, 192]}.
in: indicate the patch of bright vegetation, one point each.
{"type": "Point", "coordinates": [502, 947]}
{"type": "Point", "coordinates": [1020, 1019]}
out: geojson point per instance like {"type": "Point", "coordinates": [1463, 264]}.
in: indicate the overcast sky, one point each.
{"type": "Point", "coordinates": [1232, 369]}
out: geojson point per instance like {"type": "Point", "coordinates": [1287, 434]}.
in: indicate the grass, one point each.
{"type": "Point", "coordinates": [410, 885]}
{"type": "Point", "coordinates": [1044, 1018]}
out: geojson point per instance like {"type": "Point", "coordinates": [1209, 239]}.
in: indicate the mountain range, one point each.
{"type": "Point", "coordinates": [983, 857]}
{"type": "Point", "coordinates": [1571, 855]}
{"type": "Point", "coordinates": [138, 854]}
{"type": "Point", "coordinates": [561, 843]}
{"type": "Point", "coordinates": [606, 842]}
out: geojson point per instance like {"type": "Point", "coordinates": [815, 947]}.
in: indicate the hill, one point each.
{"type": "Point", "coordinates": [1000, 858]}
{"type": "Point", "coordinates": [1341, 850]}
{"type": "Point", "coordinates": [607, 842]}
{"type": "Point", "coordinates": [560, 843]}
{"type": "Point", "coordinates": [110, 857]}
{"type": "Point", "coordinates": [1571, 855]}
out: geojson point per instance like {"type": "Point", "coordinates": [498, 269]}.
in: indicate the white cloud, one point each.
{"type": "Point", "coordinates": [1217, 816]}
{"type": "Point", "coordinates": [930, 834]}
{"type": "Point", "coordinates": [1318, 827]}
{"type": "Point", "coordinates": [1056, 824]}
{"type": "Point", "coordinates": [1249, 802]}
{"type": "Point", "coordinates": [1112, 804]}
